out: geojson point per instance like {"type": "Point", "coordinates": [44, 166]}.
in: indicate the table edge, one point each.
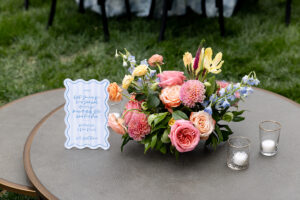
{"type": "Point", "coordinates": [25, 97]}
{"type": "Point", "coordinates": [41, 189]}
{"type": "Point", "coordinates": [11, 186]}
{"type": "Point", "coordinates": [17, 188]}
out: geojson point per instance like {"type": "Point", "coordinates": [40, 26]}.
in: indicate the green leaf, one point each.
{"type": "Point", "coordinates": [225, 134]}
{"type": "Point", "coordinates": [158, 144]}
{"type": "Point", "coordinates": [151, 118]}
{"type": "Point", "coordinates": [172, 149]}
{"type": "Point", "coordinates": [211, 89]}
{"type": "Point", "coordinates": [179, 115]}
{"type": "Point", "coordinates": [147, 147]}
{"type": "Point", "coordinates": [238, 119]}
{"type": "Point", "coordinates": [226, 127]}
{"type": "Point", "coordinates": [165, 137]}
{"type": "Point", "coordinates": [220, 136]}
{"type": "Point", "coordinates": [176, 154]}
{"type": "Point", "coordinates": [153, 141]}
{"type": "Point", "coordinates": [153, 101]}
{"type": "Point", "coordinates": [159, 117]}
{"type": "Point", "coordinates": [162, 125]}
{"type": "Point", "coordinates": [140, 97]}
{"type": "Point", "coordinates": [214, 141]}
{"type": "Point", "coordinates": [163, 149]}
{"type": "Point", "coordinates": [237, 113]}
{"type": "Point", "coordinates": [126, 139]}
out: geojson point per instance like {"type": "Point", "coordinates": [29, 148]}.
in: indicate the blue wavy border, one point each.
{"type": "Point", "coordinates": [69, 146]}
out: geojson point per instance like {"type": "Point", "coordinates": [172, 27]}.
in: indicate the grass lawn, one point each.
{"type": "Point", "coordinates": [33, 59]}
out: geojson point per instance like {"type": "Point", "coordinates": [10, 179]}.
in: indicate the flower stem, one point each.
{"type": "Point", "coordinates": [130, 111]}
{"type": "Point", "coordinates": [159, 68]}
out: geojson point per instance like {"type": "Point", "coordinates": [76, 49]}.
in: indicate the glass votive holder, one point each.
{"type": "Point", "coordinates": [238, 153]}
{"type": "Point", "coordinates": [269, 132]}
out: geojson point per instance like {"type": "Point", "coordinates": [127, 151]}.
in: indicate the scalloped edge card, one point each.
{"type": "Point", "coordinates": [86, 114]}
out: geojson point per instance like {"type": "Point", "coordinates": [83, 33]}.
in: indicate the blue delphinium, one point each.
{"type": "Point", "coordinates": [225, 104]}
{"type": "Point", "coordinates": [205, 103]}
{"type": "Point", "coordinates": [130, 69]}
{"type": "Point", "coordinates": [231, 97]}
{"type": "Point", "coordinates": [152, 73]}
{"type": "Point", "coordinates": [208, 110]}
{"type": "Point", "coordinates": [222, 92]}
{"type": "Point", "coordinates": [144, 62]}
{"type": "Point", "coordinates": [213, 98]}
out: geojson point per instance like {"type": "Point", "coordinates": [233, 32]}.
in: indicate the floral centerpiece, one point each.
{"type": "Point", "coordinates": [172, 111]}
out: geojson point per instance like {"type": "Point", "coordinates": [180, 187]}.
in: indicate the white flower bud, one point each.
{"type": "Point", "coordinates": [125, 63]}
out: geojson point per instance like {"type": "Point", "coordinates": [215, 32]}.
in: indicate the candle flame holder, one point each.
{"type": "Point", "coordinates": [238, 153]}
{"type": "Point", "coordinates": [269, 132]}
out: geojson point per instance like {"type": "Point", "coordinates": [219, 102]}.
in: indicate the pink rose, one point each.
{"type": "Point", "coordinates": [204, 123]}
{"type": "Point", "coordinates": [170, 96]}
{"type": "Point", "coordinates": [116, 124]}
{"type": "Point", "coordinates": [184, 136]}
{"type": "Point", "coordinates": [155, 59]}
{"type": "Point", "coordinates": [170, 78]}
{"type": "Point", "coordinates": [138, 126]}
{"type": "Point", "coordinates": [132, 104]}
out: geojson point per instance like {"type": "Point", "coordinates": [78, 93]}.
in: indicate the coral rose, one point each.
{"type": "Point", "coordinates": [132, 104]}
{"type": "Point", "coordinates": [204, 123]}
{"type": "Point", "coordinates": [140, 70]}
{"type": "Point", "coordinates": [138, 126]}
{"type": "Point", "coordinates": [170, 78]}
{"type": "Point", "coordinates": [116, 124]}
{"type": "Point", "coordinates": [170, 96]}
{"type": "Point", "coordinates": [184, 136]}
{"type": "Point", "coordinates": [115, 92]}
{"type": "Point", "coordinates": [155, 59]}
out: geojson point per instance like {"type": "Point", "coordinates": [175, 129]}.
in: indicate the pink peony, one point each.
{"type": "Point", "coordinates": [138, 126]}
{"type": "Point", "coordinates": [184, 136]}
{"type": "Point", "coordinates": [155, 59]}
{"type": "Point", "coordinates": [170, 78]}
{"type": "Point", "coordinates": [132, 104]}
{"type": "Point", "coordinates": [116, 124]}
{"type": "Point", "coordinates": [191, 92]}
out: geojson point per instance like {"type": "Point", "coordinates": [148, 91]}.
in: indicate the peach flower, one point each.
{"type": "Point", "coordinates": [115, 92]}
{"type": "Point", "coordinates": [155, 59]}
{"type": "Point", "coordinates": [170, 96]}
{"type": "Point", "coordinates": [170, 78]}
{"type": "Point", "coordinates": [116, 124]}
{"type": "Point", "coordinates": [204, 123]}
{"type": "Point", "coordinates": [184, 136]}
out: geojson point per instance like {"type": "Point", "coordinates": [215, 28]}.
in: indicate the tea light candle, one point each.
{"type": "Point", "coordinates": [240, 158]}
{"type": "Point", "coordinates": [268, 146]}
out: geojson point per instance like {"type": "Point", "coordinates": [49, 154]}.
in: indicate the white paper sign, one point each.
{"type": "Point", "coordinates": [86, 114]}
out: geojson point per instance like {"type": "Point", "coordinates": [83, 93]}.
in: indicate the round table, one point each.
{"type": "Point", "coordinates": [58, 173]}
{"type": "Point", "coordinates": [16, 121]}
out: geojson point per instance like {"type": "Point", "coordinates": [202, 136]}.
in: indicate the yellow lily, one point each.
{"type": "Point", "coordinates": [212, 65]}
